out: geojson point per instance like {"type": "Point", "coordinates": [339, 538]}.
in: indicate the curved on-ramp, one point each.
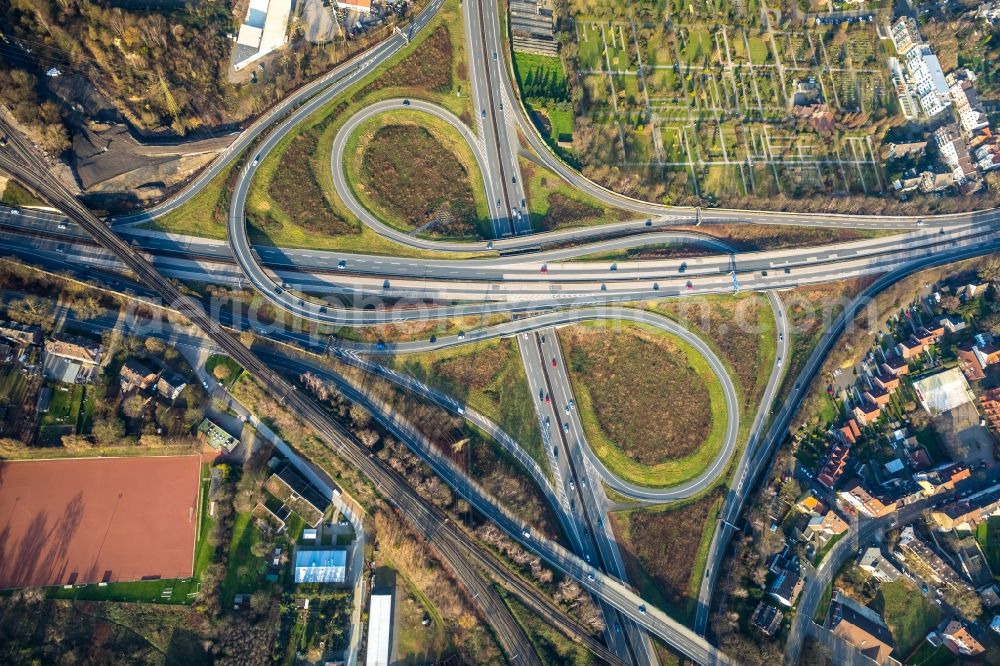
{"type": "Point", "coordinates": [561, 318]}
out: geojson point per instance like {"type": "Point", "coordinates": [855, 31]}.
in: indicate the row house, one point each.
{"type": "Point", "coordinates": [885, 381]}
{"type": "Point", "coordinates": [834, 464]}
{"type": "Point", "coordinates": [965, 100]}
{"type": "Point", "coordinates": [952, 324]}
{"type": "Point", "coordinates": [877, 395]}
{"type": "Point", "coordinates": [905, 35]}
{"type": "Point", "coordinates": [920, 341]}
{"type": "Point", "coordinates": [867, 412]}
{"type": "Point", "coordinates": [921, 560]}
{"type": "Point", "coordinates": [849, 432]}
{"type": "Point", "coordinates": [929, 83]}
{"type": "Point", "coordinates": [860, 499]}
{"type": "Point", "coordinates": [990, 403]}
{"type": "Point", "coordinates": [965, 514]}
{"type": "Point", "coordinates": [955, 153]}
{"type": "Point", "coordinates": [895, 365]}
{"type": "Point", "coordinates": [942, 479]}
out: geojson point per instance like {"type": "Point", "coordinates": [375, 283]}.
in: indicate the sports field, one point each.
{"type": "Point", "coordinates": [92, 520]}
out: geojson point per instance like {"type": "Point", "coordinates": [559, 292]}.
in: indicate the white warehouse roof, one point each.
{"type": "Point", "coordinates": [320, 566]}
{"type": "Point", "coordinates": [379, 630]}
{"type": "Point", "coordinates": [263, 30]}
{"type": "Point", "coordinates": [943, 392]}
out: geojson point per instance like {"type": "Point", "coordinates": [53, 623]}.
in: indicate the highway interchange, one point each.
{"type": "Point", "coordinates": [545, 286]}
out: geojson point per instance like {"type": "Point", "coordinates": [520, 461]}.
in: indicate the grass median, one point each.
{"type": "Point", "coordinates": [665, 551]}
{"type": "Point", "coordinates": [653, 410]}
{"type": "Point", "coordinates": [555, 204]}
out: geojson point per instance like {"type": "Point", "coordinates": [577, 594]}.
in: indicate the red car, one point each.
{"type": "Point", "coordinates": [548, 398]}
{"type": "Point", "coordinates": [553, 363]}
{"type": "Point", "coordinates": [545, 268]}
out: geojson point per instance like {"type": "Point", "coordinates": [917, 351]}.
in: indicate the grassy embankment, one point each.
{"type": "Point", "coordinates": [14, 194]}
{"type": "Point", "coordinates": [555, 204]}
{"type": "Point", "coordinates": [617, 374]}
{"type": "Point", "coordinates": [551, 646]}
{"type": "Point", "coordinates": [489, 377]}
{"type": "Point", "coordinates": [419, 329]}
{"type": "Point", "coordinates": [665, 551]}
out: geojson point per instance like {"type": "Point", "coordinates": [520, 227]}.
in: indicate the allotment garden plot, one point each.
{"type": "Point", "coordinates": [716, 100]}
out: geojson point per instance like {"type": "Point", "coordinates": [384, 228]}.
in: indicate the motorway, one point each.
{"type": "Point", "coordinates": [505, 188]}
{"type": "Point", "coordinates": [525, 284]}
{"type": "Point", "coordinates": [583, 498]}
{"type": "Point", "coordinates": [518, 285]}
{"type": "Point", "coordinates": [17, 157]}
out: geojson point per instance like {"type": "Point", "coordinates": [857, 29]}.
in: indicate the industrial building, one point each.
{"type": "Point", "coordinates": [320, 565]}
{"type": "Point", "coordinates": [263, 31]}
{"type": "Point", "coordinates": [379, 630]}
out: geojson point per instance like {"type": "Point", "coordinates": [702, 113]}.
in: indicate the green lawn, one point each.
{"type": "Point", "coordinates": [562, 124]}
{"type": "Point", "coordinates": [928, 655]}
{"type": "Point", "coordinates": [824, 603]}
{"type": "Point", "coordinates": [540, 76]}
{"type": "Point", "coordinates": [14, 385]}
{"type": "Point", "coordinates": [908, 613]}
{"type": "Point", "coordinates": [65, 405]}
{"type": "Point", "coordinates": [244, 572]}
{"type": "Point", "coordinates": [758, 51]}
{"type": "Point", "coordinates": [988, 535]}
{"type": "Point", "coordinates": [63, 417]}
{"type": "Point", "coordinates": [223, 361]}
{"type": "Point", "coordinates": [699, 46]}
